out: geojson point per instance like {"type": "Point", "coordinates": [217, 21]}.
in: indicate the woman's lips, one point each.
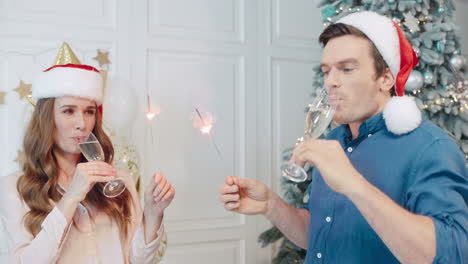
{"type": "Point", "coordinates": [79, 139]}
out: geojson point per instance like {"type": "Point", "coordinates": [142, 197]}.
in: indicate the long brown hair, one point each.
{"type": "Point", "coordinates": [39, 182]}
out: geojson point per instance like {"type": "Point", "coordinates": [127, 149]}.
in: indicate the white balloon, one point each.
{"type": "Point", "coordinates": [119, 105]}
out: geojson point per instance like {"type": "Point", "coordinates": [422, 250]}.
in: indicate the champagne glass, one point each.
{"type": "Point", "coordinates": [319, 116]}
{"type": "Point", "coordinates": [92, 150]}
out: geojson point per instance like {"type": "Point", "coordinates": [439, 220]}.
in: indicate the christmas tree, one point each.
{"type": "Point", "coordinates": [437, 83]}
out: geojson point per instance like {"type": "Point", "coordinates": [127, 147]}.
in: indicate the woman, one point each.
{"type": "Point", "coordinates": [53, 211]}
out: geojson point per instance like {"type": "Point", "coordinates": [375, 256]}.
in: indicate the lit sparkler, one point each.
{"type": "Point", "coordinates": [205, 128]}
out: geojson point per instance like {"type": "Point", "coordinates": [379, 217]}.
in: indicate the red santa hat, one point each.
{"type": "Point", "coordinates": [68, 77]}
{"type": "Point", "coordinates": [401, 113]}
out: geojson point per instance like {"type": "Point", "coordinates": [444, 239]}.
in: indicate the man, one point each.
{"type": "Point", "coordinates": [387, 187]}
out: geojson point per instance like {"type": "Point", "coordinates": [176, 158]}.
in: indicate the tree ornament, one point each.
{"type": "Point", "coordinates": [415, 81]}
{"type": "Point", "coordinates": [457, 62]}
{"type": "Point", "coordinates": [428, 77]}
{"type": "Point", "coordinates": [328, 12]}
{"type": "Point", "coordinates": [411, 22]}
{"type": "Point", "coordinates": [440, 46]}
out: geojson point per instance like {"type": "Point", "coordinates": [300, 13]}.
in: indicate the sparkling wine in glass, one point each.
{"type": "Point", "coordinates": [92, 150]}
{"type": "Point", "coordinates": [319, 116]}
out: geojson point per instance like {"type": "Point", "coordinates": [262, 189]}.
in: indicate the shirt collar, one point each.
{"type": "Point", "coordinates": [370, 126]}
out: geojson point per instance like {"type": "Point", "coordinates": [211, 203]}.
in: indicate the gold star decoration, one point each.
{"type": "Point", "coordinates": [20, 157]}
{"type": "Point", "coordinates": [2, 98]}
{"type": "Point", "coordinates": [23, 89]}
{"type": "Point", "coordinates": [102, 57]}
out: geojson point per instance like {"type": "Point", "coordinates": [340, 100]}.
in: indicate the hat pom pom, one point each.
{"type": "Point", "coordinates": [402, 115]}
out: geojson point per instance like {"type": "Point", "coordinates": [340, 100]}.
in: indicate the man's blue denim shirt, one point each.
{"type": "Point", "coordinates": [423, 171]}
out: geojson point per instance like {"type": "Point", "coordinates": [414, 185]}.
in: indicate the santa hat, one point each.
{"type": "Point", "coordinates": [401, 113]}
{"type": "Point", "coordinates": [68, 77]}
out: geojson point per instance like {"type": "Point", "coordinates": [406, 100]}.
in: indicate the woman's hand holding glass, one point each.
{"type": "Point", "coordinates": [86, 175]}
{"type": "Point", "coordinates": [92, 150]}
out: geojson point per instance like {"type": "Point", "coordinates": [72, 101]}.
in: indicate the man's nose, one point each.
{"type": "Point", "coordinates": [332, 79]}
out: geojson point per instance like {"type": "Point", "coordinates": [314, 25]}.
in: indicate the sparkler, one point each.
{"type": "Point", "coordinates": [206, 129]}
{"type": "Point", "coordinates": [150, 115]}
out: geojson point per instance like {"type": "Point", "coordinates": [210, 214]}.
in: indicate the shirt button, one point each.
{"type": "Point", "coordinates": [350, 149]}
{"type": "Point", "coordinates": [369, 135]}
{"type": "Point", "coordinates": [319, 255]}
{"type": "Point", "coordinates": [328, 219]}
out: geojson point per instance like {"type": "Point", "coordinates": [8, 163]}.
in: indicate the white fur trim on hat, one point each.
{"type": "Point", "coordinates": [68, 81]}
{"type": "Point", "coordinates": [402, 115]}
{"type": "Point", "coordinates": [381, 31]}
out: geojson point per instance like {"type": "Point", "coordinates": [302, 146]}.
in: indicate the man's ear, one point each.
{"type": "Point", "coordinates": [387, 81]}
